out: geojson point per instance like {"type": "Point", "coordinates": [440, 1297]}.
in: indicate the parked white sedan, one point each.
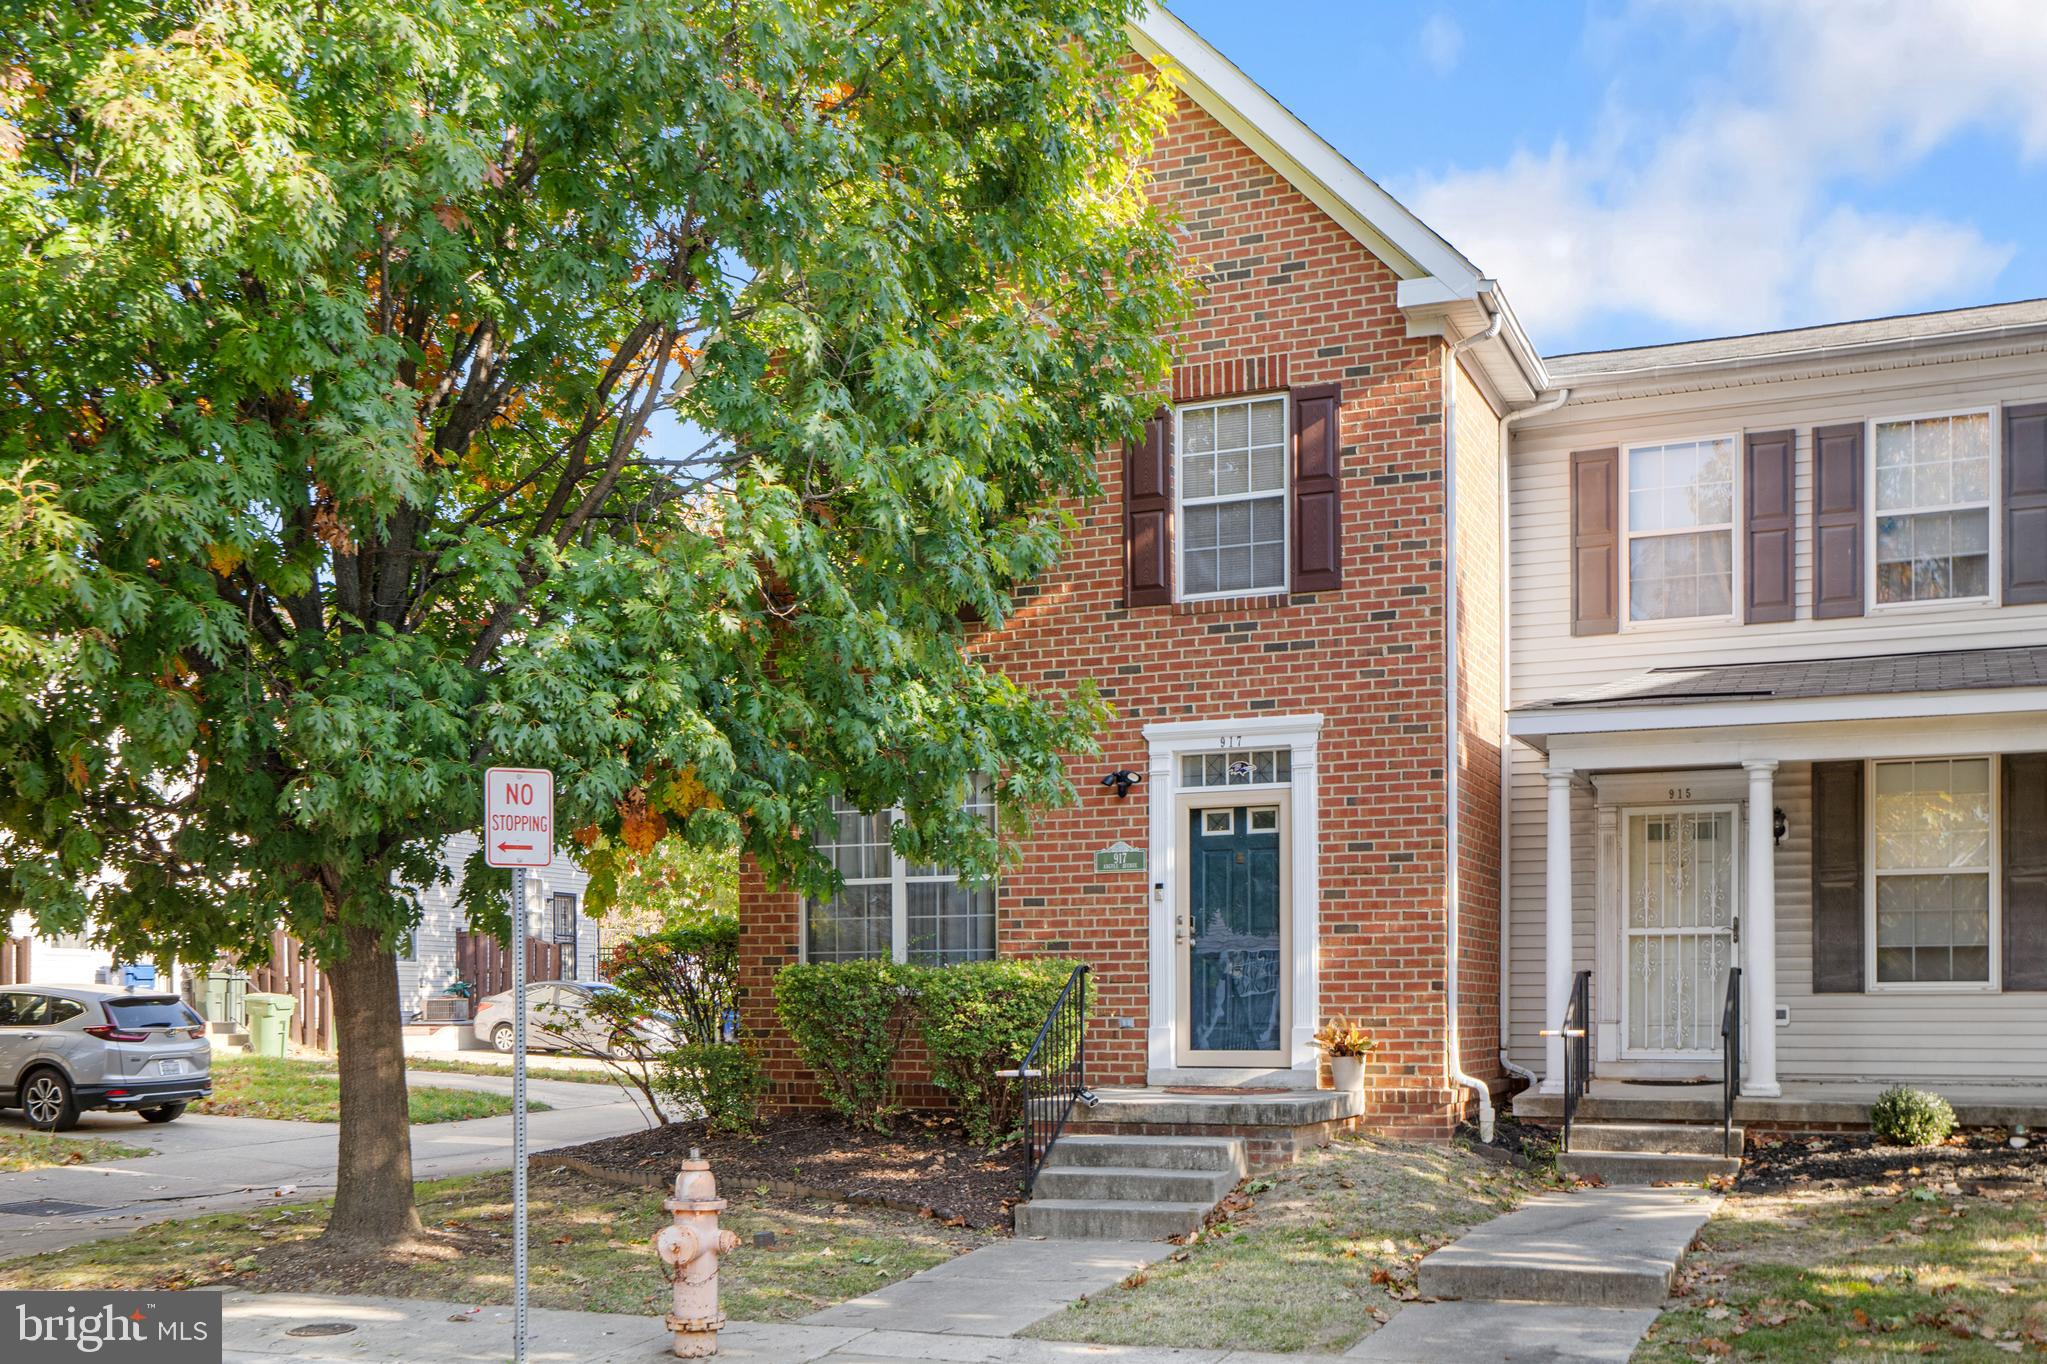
{"type": "Point", "coordinates": [560, 1017]}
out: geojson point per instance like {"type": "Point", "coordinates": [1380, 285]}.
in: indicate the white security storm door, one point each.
{"type": "Point", "coordinates": [1681, 877]}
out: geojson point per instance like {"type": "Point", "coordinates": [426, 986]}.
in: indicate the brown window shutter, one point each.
{"type": "Point", "coordinates": [1318, 521]}
{"type": "Point", "coordinates": [1771, 522]}
{"type": "Point", "coordinates": [1148, 514]}
{"type": "Point", "coordinates": [1837, 533]}
{"type": "Point", "coordinates": [1837, 900]}
{"type": "Point", "coordinates": [1595, 542]}
{"type": "Point", "coordinates": [2025, 871]}
{"type": "Point", "coordinates": [2025, 504]}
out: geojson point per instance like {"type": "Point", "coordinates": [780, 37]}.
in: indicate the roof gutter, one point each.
{"type": "Point", "coordinates": [1452, 745]}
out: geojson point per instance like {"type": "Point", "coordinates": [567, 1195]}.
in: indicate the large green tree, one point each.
{"type": "Point", "coordinates": [331, 334]}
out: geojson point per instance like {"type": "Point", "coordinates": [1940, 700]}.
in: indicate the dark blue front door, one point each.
{"type": "Point", "coordinates": [1235, 953]}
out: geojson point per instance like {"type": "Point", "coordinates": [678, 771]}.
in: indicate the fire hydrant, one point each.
{"type": "Point", "coordinates": [689, 1252]}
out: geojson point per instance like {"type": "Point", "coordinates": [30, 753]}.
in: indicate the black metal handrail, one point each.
{"type": "Point", "coordinates": [1730, 1059]}
{"type": "Point", "coordinates": [1053, 1074]}
{"type": "Point", "coordinates": [1577, 1048]}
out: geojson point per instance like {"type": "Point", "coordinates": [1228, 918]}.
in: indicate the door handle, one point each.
{"type": "Point", "coordinates": [1180, 929]}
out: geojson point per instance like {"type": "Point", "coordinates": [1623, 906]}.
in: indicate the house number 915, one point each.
{"type": "Point", "coordinates": [1679, 793]}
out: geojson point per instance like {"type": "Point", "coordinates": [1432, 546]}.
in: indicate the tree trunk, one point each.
{"type": "Point", "coordinates": [373, 1205]}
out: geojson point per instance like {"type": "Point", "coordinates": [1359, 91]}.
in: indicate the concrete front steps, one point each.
{"type": "Point", "coordinates": [1650, 1153]}
{"type": "Point", "coordinates": [1613, 1247]}
{"type": "Point", "coordinates": [1130, 1188]}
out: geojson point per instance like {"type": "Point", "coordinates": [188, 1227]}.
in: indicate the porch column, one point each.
{"type": "Point", "coordinates": [1759, 935]}
{"type": "Point", "coordinates": [1556, 926]}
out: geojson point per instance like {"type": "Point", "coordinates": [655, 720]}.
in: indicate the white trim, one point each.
{"type": "Point", "coordinates": [1736, 488]}
{"type": "Point", "coordinates": [1285, 492]}
{"type": "Point", "coordinates": [1989, 507]}
{"type": "Point", "coordinates": [1168, 741]}
{"type": "Point", "coordinates": [1749, 711]}
{"type": "Point", "coordinates": [1911, 737]}
{"type": "Point", "coordinates": [1993, 981]}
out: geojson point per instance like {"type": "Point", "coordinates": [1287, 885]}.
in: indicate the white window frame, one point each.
{"type": "Point", "coordinates": [1736, 583]}
{"type": "Point", "coordinates": [1994, 413]}
{"type": "Point", "coordinates": [1286, 496]}
{"type": "Point", "coordinates": [899, 881]}
{"type": "Point", "coordinates": [1993, 982]}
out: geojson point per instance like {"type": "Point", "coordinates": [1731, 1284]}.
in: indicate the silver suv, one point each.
{"type": "Point", "coordinates": [65, 1049]}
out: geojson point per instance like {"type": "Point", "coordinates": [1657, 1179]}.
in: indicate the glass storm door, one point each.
{"type": "Point", "coordinates": [1232, 935]}
{"type": "Point", "coordinates": [1681, 878]}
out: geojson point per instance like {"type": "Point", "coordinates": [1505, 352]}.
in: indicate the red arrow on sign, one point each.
{"type": "Point", "coordinates": [515, 847]}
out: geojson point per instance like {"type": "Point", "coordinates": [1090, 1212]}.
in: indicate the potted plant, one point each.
{"type": "Point", "coordinates": [1346, 1044]}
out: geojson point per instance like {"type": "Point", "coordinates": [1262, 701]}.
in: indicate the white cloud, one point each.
{"type": "Point", "coordinates": [1442, 43]}
{"type": "Point", "coordinates": [1729, 213]}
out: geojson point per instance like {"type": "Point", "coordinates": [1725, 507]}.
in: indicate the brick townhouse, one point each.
{"type": "Point", "coordinates": [1263, 590]}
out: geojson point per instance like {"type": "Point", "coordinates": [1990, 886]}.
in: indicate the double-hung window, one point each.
{"type": "Point", "coordinates": [895, 909]}
{"type": "Point", "coordinates": [1232, 489]}
{"type": "Point", "coordinates": [1680, 529]}
{"type": "Point", "coordinates": [1933, 481]}
{"type": "Point", "coordinates": [1932, 888]}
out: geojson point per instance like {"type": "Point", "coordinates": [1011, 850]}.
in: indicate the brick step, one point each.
{"type": "Point", "coordinates": [1646, 1167]}
{"type": "Point", "coordinates": [1087, 1219]}
{"type": "Point", "coordinates": [1654, 1138]}
{"type": "Point", "coordinates": [1132, 1184]}
{"type": "Point", "coordinates": [1224, 1154]}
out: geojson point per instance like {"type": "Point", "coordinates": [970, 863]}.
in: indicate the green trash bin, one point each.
{"type": "Point", "coordinates": [224, 990]}
{"type": "Point", "coordinates": [269, 1020]}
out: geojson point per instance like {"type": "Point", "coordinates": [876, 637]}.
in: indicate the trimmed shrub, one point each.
{"type": "Point", "coordinates": [721, 1080]}
{"type": "Point", "coordinates": [1911, 1117]}
{"type": "Point", "coordinates": [688, 970]}
{"type": "Point", "coordinates": [980, 1017]}
{"type": "Point", "coordinates": [848, 1019]}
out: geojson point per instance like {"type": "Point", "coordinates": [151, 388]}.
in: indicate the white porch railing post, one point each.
{"type": "Point", "coordinates": [1556, 927]}
{"type": "Point", "coordinates": [1759, 935]}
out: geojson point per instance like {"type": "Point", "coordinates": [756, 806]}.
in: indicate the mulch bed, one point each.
{"type": "Point", "coordinates": [1514, 1143]}
{"type": "Point", "coordinates": [926, 1165]}
{"type": "Point", "coordinates": [1976, 1161]}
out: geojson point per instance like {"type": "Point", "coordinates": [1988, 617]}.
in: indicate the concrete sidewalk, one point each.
{"type": "Point", "coordinates": [214, 1164]}
{"type": "Point", "coordinates": [406, 1331]}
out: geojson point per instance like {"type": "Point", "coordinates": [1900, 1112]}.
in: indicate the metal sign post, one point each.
{"type": "Point", "coordinates": [518, 832]}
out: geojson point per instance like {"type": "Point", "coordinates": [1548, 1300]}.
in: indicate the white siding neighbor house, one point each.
{"type": "Point", "coordinates": [426, 965]}
{"type": "Point", "coordinates": [1777, 689]}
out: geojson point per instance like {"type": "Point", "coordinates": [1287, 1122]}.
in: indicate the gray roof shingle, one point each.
{"type": "Point", "coordinates": [1876, 675]}
{"type": "Point", "coordinates": [1769, 345]}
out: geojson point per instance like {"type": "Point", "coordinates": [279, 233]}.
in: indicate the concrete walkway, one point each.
{"type": "Point", "coordinates": [406, 1331]}
{"type": "Point", "coordinates": [1573, 1276]}
{"type": "Point", "coordinates": [213, 1164]}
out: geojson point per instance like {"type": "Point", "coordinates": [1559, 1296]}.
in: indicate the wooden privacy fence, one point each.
{"type": "Point", "coordinates": [486, 963]}
{"type": "Point", "coordinates": [290, 971]}
{"type": "Point", "coordinates": [14, 961]}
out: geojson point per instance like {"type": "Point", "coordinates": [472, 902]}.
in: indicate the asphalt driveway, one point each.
{"type": "Point", "coordinates": [211, 1164]}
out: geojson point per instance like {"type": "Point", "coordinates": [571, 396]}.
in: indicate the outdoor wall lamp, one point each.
{"type": "Point", "coordinates": [1780, 823]}
{"type": "Point", "coordinates": [1123, 779]}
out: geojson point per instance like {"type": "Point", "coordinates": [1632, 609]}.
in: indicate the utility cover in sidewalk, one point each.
{"type": "Point", "coordinates": [49, 1207]}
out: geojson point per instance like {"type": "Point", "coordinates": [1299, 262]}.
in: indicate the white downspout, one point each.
{"type": "Point", "coordinates": [1452, 748]}
{"type": "Point", "coordinates": [1545, 402]}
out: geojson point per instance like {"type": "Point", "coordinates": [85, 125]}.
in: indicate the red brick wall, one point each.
{"type": "Point", "coordinates": [1290, 298]}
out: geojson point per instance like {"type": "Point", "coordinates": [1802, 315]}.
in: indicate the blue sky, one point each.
{"type": "Point", "coordinates": [1636, 171]}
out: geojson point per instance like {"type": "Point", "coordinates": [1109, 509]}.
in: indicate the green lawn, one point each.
{"type": "Point", "coordinates": [449, 1066]}
{"type": "Point", "coordinates": [1324, 1252]}
{"type": "Point", "coordinates": [301, 1090]}
{"type": "Point", "coordinates": [588, 1240]}
{"type": "Point", "coordinates": [23, 1149]}
{"type": "Point", "coordinates": [1902, 1270]}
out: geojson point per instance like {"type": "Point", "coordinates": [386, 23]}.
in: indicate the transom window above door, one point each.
{"type": "Point", "coordinates": [1232, 488]}
{"type": "Point", "coordinates": [1932, 893]}
{"type": "Point", "coordinates": [1933, 481]}
{"type": "Point", "coordinates": [1680, 529]}
{"type": "Point", "coordinates": [1237, 767]}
